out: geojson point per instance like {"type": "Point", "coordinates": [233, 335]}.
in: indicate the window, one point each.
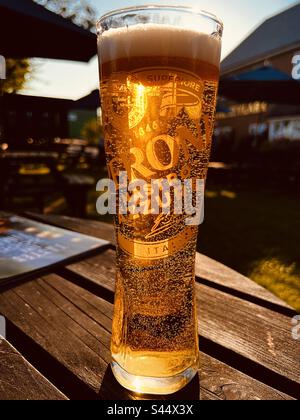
{"type": "Point", "coordinates": [223, 131]}
{"type": "Point", "coordinates": [57, 120]}
{"type": "Point", "coordinates": [285, 129]}
{"type": "Point", "coordinates": [257, 129]}
{"type": "Point", "coordinates": [45, 120]}
{"type": "Point", "coordinates": [12, 118]}
{"type": "Point", "coordinates": [72, 117]}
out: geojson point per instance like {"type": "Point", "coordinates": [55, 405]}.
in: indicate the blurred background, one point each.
{"type": "Point", "coordinates": [51, 144]}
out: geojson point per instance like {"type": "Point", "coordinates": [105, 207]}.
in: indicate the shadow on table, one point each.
{"type": "Point", "coordinates": [112, 390]}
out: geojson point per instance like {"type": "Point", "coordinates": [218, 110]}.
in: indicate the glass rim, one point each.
{"type": "Point", "coordinates": [187, 9]}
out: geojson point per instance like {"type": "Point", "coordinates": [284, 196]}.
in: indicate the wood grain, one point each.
{"type": "Point", "coordinates": [20, 381]}
{"type": "Point", "coordinates": [220, 380]}
{"type": "Point", "coordinates": [219, 274]}
{"type": "Point", "coordinates": [70, 321]}
{"type": "Point", "coordinates": [206, 268]}
{"type": "Point", "coordinates": [51, 328]}
{"type": "Point", "coordinates": [99, 269]}
{"type": "Point", "coordinates": [254, 332]}
{"type": "Point", "coordinates": [73, 326]}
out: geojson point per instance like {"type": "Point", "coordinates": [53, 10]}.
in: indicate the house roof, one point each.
{"type": "Point", "coordinates": [89, 102]}
{"type": "Point", "coordinates": [35, 102]}
{"type": "Point", "coordinates": [276, 35]}
{"type": "Point", "coordinates": [245, 91]}
{"type": "Point", "coordinates": [30, 30]}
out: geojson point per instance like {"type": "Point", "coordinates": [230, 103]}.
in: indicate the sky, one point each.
{"type": "Point", "coordinates": [65, 79]}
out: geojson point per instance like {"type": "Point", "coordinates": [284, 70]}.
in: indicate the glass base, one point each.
{"type": "Point", "coordinates": [150, 385]}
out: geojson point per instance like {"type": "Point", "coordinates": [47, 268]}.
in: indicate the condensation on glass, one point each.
{"type": "Point", "coordinates": [159, 72]}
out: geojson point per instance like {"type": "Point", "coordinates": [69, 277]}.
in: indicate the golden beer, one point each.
{"type": "Point", "coordinates": [158, 92]}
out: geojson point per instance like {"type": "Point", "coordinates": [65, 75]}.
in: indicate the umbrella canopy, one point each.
{"type": "Point", "coordinates": [264, 84]}
{"type": "Point", "coordinates": [29, 30]}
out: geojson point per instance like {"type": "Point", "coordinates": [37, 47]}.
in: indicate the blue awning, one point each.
{"type": "Point", "coordinates": [263, 84]}
{"type": "Point", "coordinates": [264, 74]}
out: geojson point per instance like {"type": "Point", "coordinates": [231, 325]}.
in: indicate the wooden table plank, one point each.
{"type": "Point", "coordinates": [238, 385]}
{"type": "Point", "coordinates": [256, 333]}
{"type": "Point", "coordinates": [219, 274]}
{"type": "Point", "coordinates": [267, 335]}
{"type": "Point", "coordinates": [227, 383]}
{"type": "Point", "coordinates": [21, 381]}
{"type": "Point", "coordinates": [48, 326]}
{"type": "Point", "coordinates": [73, 326]}
{"type": "Point", "coordinates": [206, 268]}
{"type": "Point", "coordinates": [99, 270]}
{"type": "Point", "coordinates": [230, 318]}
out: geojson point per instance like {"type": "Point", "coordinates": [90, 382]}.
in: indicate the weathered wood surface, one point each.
{"type": "Point", "coordinates": [226, 383]}
{"type": "Point", "coordinates": [99, 270]}
{"type": "Point", "coordinates": [247, 351]}
{"type": "Point", "coordinates": [206, 268]}
{"type": "Point", "coordinates": [249, 330]}
{"type": "Point", "coordinates": [215, 272]}
{"type": "Point", "coordinates": [73, 326]}
{"type": "Point", "coordinates": [21, 381]}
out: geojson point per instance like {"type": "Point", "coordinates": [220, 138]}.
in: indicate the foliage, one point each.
{"type": "Point", "coordinates": [92, 131]}
{"type": "Point", "coordinates": [257, 234]}
{"type": "Point", "coordinates": [78, 11]}
{"type": "Point", "coordinates": [16, 74]}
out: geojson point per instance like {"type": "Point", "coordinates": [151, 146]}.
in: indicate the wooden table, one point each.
{"type": "Point", "coordinates": [60, 324]}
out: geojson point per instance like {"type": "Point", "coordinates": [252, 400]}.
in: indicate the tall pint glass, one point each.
{"type": "Point", "coordinates": [159, 72]}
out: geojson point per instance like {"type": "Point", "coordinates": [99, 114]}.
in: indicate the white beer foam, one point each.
{"type": "Point", "coordinates": [158, 40]}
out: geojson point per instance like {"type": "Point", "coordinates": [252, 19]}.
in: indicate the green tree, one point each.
{"type": "Point", "coordinates": [17, 72]}
{"type": "Point", "coordinates": [78, 11]}
{"type": "Point", "coordinates": [92, 131]}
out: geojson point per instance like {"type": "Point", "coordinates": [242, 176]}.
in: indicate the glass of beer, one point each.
{"type": "Point", "coordinates": [159, 72]}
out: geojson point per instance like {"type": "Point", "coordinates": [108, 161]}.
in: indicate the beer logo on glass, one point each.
{"type": "Point", "coordinates": [155, 129]}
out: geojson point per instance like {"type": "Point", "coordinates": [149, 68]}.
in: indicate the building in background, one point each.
{"type": "Point", "coordinates": [269, 53]}
{"type": "Point", "coordinates": [30, 120]}
{"type": "Point", "coordinates": [44, 34]}
{"type": "Point", "coordinates": [284, 123]}
{"type": "Point", "coordinates": [83, 111]}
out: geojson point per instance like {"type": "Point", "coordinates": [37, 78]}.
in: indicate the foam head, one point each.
{"type": "Point", "coordinates": [158, 40]}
